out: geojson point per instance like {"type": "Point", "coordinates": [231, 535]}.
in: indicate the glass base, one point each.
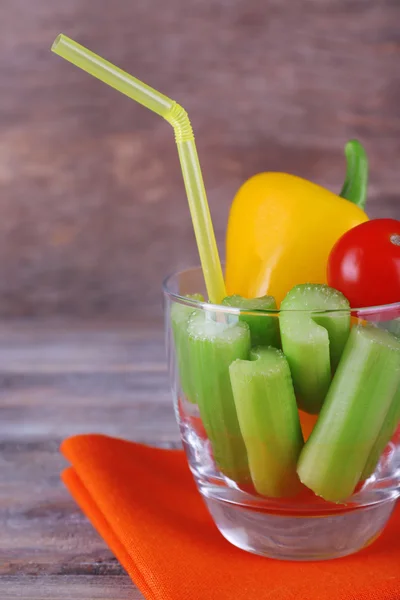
{"type": "Point", "coordinates": [305, 537]}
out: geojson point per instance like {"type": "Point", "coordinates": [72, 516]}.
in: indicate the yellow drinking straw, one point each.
{"type": "Point", "coordinates": [178, 118]}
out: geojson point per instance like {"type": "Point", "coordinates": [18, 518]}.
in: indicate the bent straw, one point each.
{"type": "Point", "coordinates": [178, 118]}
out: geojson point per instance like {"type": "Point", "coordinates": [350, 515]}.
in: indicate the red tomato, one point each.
{"type": "Point", "coordinates": [364, 264]}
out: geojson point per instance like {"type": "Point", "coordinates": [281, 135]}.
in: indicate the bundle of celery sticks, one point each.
{"type": "Point", "coordinates": [250, 374]}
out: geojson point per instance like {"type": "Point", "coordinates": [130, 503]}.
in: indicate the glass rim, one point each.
{"type": "Point", "coordinates": [369, 311]}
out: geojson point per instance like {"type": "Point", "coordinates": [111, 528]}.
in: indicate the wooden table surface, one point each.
{"type": "Point", "coordinates": [59, 379]}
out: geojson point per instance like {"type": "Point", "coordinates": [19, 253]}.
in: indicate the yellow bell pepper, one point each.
{"type": "Point", "coordinates": [281, 228]}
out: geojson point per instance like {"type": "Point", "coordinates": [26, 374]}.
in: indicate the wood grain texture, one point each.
{"type": "Point", "coordinates": [59, 379]}
{"type": "Point", "coordinates": [92, 203]}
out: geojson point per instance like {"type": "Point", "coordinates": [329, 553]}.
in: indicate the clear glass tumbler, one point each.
{"type": "Point", "coordinates": [302, 526]}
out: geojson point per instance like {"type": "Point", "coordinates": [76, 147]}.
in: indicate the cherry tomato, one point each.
{"type": "Point", "coordinates": [364, 264]}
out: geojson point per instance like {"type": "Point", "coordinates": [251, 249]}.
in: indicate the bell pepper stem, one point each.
{"type": "Point", "coordinates": [356, 183]}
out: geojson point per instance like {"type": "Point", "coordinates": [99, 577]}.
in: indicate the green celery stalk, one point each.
{"type": "Point", "coordinates": [386, 433]}
{"type": "Point", "coordinates": [269, 420]}
{"type": "Point", "coordinates": [357, 404]}
{"type": "Point", "coordinates": [213, 346]}
{"type": "Point", "coordinates": [180, 314]}
{"type": "Point", "coordinates": [313, 343]}
{"type": "Point", "coordinates": [264, 330]}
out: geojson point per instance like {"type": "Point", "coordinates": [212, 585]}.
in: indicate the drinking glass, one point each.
{"type": "Point", "coordinates": [304, 527]}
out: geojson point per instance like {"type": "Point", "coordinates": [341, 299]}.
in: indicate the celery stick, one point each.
{"type": "Point", "coordinates": [353, 414]}
{"type": "Point", "coordinates": [264, 330]}
{"type": "Point", "coordinates": [180, 314]}
{"type": "Point", "coordinates": [269, 420]}
{"type": "Point", "coordinates": [387, 431]}
{"type": "Point", "coordinates": [213, 346]}
{"type": "Point", "coordinates": [313, 344]}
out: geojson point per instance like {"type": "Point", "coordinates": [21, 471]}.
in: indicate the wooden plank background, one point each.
{"type": "Point", "coordinates": [93, 210]}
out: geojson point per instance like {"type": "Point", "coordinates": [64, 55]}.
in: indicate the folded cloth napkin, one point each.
{"type": "Point", "coordinates": [145, 505]}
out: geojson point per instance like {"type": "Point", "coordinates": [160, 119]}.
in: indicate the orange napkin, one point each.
{"type": "Point", "coordinates": [145, 505]}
